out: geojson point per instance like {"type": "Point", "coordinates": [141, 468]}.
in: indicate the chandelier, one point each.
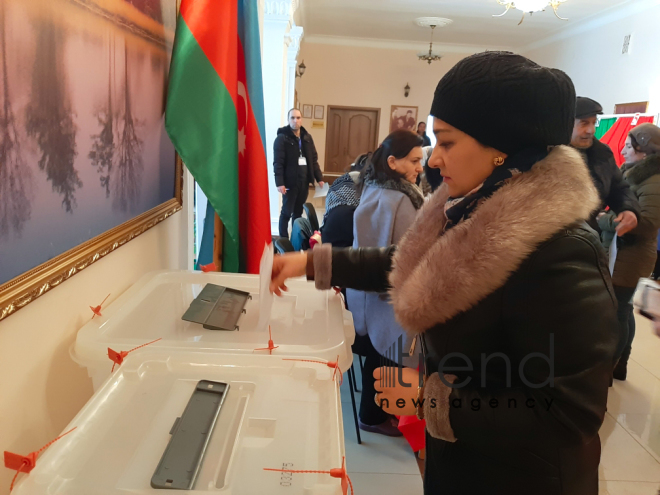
{"type": "Point", "coordinates": [531, 6]}
{"type": "Point", "coordinates": [430, 57]}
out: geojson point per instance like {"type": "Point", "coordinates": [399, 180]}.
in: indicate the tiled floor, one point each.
{"type": "Point", "coordinates": [630, 463]}
{"type": "Point", "coordinates": [381, 464]}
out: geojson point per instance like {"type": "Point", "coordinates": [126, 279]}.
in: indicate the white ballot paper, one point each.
{"type": "Point", "coordinates": [265, 296]}
{"type": "Point", "coordinates": [321, 192]}
{"type": "Point", "coordinates": [613, 250]}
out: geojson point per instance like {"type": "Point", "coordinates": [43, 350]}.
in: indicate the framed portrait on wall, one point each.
{"type": "Point", "coordinates": [307, 111]}
{"type": "Point", "coordinates": [86, 164]}
{"type": "Point", "coordinates": [402, 117]}
{"type": "Point", "coordinates": [319, 111]}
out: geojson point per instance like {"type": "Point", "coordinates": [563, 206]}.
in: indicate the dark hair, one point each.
{"type": "Point", "coordinates": [420, 124]}
{"type": "Point", "coordinates": [360, 162]}
{"type": "Point", "coordinates": [635, 144]}
{"type": "Point", "coordinates": [288, 115]}
{"type": "Point", "coordinates": [398, 144]}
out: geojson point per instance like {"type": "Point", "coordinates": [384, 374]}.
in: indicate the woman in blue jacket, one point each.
{"type": "Point", "coordinates": [389, 202]}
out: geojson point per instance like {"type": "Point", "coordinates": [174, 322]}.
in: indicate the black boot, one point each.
{"type": "Point", "coordinates": [621, 368]}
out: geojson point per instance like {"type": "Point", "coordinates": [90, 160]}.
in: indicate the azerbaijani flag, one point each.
{"type": "Point", "coordinates": [215, 118]}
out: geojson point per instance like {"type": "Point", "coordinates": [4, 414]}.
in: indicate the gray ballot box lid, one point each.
{"type": "Point", "coordinates": [217, 307]}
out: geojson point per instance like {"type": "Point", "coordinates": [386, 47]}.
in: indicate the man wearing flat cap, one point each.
{"type": "Point", "coordinates": [612, 189]}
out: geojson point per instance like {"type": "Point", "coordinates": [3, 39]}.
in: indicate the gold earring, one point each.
{"type": "Point", "coordinates": [498, 161]}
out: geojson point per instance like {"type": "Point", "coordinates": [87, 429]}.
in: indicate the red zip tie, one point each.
{"type": "Point", "coordinates": [271, 346]}
{"type": "Point", "coordinates": [25, 464]}
{"type": "Point", "coordinates": [97, 309]}
{"type": "Point", "coordinates": [335, 473]}
{"type": "Point", "coordinates": [209, 268]}
{"type": "Point", "coordinates": [329, 364]}
{"type": "Point", "coordinates": [339, 293]}
{"type": "Point", "coordinates": [118, 357]}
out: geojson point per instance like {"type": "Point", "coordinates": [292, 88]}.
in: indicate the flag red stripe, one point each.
{"type": "Point", "coordinates": [214, 24]}
{"type": "Point", "coordinates": [254, 208]}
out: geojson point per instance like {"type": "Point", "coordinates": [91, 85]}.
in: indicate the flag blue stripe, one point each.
{"type": "Point", "coordinates": [205, 255]}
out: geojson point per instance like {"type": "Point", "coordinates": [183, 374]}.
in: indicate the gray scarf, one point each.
{"type": "Point", "coordinates": [402, 185]}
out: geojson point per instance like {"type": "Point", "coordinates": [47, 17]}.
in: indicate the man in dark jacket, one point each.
{"type": "Point", "coordinates": [296, 167]}
{"type": "Point", "coordinates": [612, 189]}
{"type": "Point", "coordinates": [421, 130]}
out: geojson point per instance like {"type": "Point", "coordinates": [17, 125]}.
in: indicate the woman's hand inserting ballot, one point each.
{"type": "Point", "coordinates": [287, 266]}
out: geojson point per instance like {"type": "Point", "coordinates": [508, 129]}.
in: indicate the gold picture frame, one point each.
{"type": "Point", "coordinates": [21, 291]}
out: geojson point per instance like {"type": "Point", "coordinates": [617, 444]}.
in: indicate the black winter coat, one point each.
{"type": "Point", "coordinates": [287, 151]}
{"type": "Point", "coordinates": [612, 189]}
{"type": "Point", "coordinates": [516, 279]}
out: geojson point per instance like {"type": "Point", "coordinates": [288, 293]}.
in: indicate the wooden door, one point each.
{"type": "Point", "coordinates": [351, 132]}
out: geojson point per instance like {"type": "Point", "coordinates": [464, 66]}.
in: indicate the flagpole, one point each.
{"type": "Point", "coordinates": [218, 241]}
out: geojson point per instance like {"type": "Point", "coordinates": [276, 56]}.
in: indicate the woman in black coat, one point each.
{"type": "Point", "coordinates": [506, 286]}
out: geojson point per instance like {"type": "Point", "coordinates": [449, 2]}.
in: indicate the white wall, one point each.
{"type": "Point", "coordinates": [591, 55]}
{"type": "Point", "coordinates": [42, 389]}
{"type": "Point", "coordinates": [367, 77]}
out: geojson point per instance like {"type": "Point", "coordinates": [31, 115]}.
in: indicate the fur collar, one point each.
{"type": "Point", "coordinates": [643, 170]}
{"type": "Point", "coordinates": [435, 277]}
{"type": "Point", "coordinates": [403, 186]}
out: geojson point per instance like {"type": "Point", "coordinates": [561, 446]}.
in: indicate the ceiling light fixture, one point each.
{"type": "Point", "coordinates": [531, 6]}
{"type": "Point", "coordinates": [431, 22]}
{"type": "Point", "coordinates": [430, 57]}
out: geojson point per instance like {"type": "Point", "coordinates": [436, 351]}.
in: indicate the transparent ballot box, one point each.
{"type": "Point", "coordinates": [150, 427]}
{"type": "Point", "coordinates": [304, 322]}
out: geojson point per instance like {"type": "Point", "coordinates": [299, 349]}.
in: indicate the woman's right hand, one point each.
{"type": "Point", "coordinates": [287, 266]}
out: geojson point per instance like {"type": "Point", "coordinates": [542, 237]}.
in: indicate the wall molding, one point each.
{"type": "Point", "coordinates": [419, 46]}
{"type": "Point", "coordinates": [604, 18]}
{"type": "Point", "coordinates": [293, 38]}
{"type": "Point", "coordinates": [281, 7]}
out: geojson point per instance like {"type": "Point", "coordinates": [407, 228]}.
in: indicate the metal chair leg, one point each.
{"type": "Point", "coordinates": [354, 380]}
{"type": "Point", "coordinates": [355, 416]}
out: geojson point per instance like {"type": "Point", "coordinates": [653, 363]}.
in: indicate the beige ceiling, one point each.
{"type": "Point", "coordinates": [473, 21]}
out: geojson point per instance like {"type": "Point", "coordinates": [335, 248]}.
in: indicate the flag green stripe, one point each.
{"type": "Point", "coordinates": [197, 94]}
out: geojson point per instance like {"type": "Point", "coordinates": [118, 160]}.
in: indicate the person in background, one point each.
{"type": "Point", "coordinates": [431, 178]}
{"type": "Point", "coordinates": [613, 191]}
{"type": "Point", "coordinates": [340, 204]}
{"type": "Point", "coordinates": [389, 200]}
{"type": "Point", "coordinates": [489, 269]}
{"type": "Point", "coordinates": [296, 166]}
{"type": "Point", "coordinates": [421, 130]}
{"type": "Point", "coordinates": [636, 253]}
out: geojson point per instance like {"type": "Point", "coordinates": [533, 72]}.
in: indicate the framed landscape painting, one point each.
{"type": "Point", "coordinates": [85, 162]}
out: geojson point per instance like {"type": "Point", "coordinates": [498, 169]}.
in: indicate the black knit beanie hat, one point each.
{"type": "Point", "coordinates": [507, 102]}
